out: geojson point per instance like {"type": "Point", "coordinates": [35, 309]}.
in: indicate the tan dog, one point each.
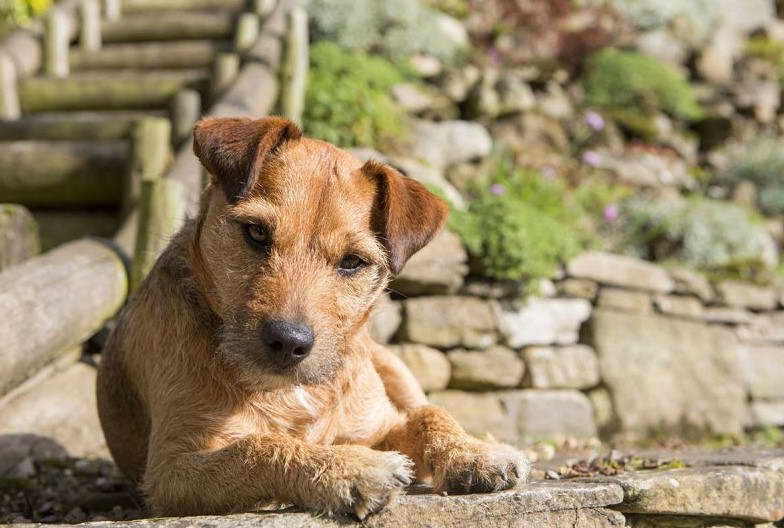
{"type": "Point", "coordinates": [241, 373]}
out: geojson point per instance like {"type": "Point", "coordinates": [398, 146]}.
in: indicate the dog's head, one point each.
{"type": "Point", "coordinates": [296, 240]}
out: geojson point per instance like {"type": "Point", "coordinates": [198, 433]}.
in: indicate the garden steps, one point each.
{"type": "Point", "coordinates": [146, 6]}
{"type": "Point", "coordinates": [170, 25]}
{"type": "Point", "coordinates": [86, 125]}
{"type": "Point", "coordinates": [150, 55]}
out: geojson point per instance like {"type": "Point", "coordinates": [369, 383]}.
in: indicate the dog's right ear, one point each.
{"type": "Point", "coordinates": [234, 149]}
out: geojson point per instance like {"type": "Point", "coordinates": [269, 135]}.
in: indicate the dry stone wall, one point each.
{"type": "Point", "coordinates": [615, 347]}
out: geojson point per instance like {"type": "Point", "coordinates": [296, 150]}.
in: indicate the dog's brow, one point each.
{"type": "Point", "coordinates": [252, 211]}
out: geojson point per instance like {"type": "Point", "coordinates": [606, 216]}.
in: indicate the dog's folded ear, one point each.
{"type": "Point", "coordinates": [406, 216]}
{"type": "Point", "coordinates": [233, 150]}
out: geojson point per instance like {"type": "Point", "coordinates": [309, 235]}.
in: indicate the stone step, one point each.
{"type": "Point", "coordinates": [169, 26]}
{"type": "Point", "coordinates": [149, 55]}
{"type": "Point", "coordinates": [54, 126]}
{"type": "Point", "coordinates": [63, 173]}
{"type": "Point", "coordinates": [144, 6]}
{"type": "Point", "coordinates": [114, 90]}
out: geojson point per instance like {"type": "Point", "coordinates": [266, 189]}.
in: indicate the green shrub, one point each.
{"type": "Point", "coordinates": [699, 15]}
{"type": "Point", "coordinates": [518, 226]}
{"type": "Point", "coordinates": [397, 29]}
{"type": "Point", "coordinates": [762, 163]}
{"type": "Point", "coordinates": [347, 99]}
{"type": "Point", "coordinates": [18, 11]}
{"type": "Point", "coordinates": [710, 235]}
{"type": "Point", "coordinates": [628, 83]}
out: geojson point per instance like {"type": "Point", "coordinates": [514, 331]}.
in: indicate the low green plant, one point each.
{"type": "Point", "coordinates": [519, 226]}
{"type": "Point", "coordinates": [762, 163]}
{"type": "Point", "coordinates": [717, 237]}
{"type": "Point", "coordinates": [347, 100]}
{"type": "Point", "coordinates": [629, 84]}
{"type": "Point", "coordinates": [397, 29]}
{"type": "Point", "coordinates": [699, 15]}
{"type": "Point", "coordinates": [13, 12]}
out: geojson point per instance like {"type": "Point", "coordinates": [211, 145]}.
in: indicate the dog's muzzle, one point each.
{"type": "Point", "coordinates": [287, 343]}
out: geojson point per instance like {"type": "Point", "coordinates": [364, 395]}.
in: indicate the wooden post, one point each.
{"type": "Point", "coordinates": [90, 27]}
{"type": "Point", "coordinates": [185, 111]}
{"type": "Point", "coordinates": [263, 7]}
{"type": "Point", "coordinates": [161, 211]}
{"type": "Point", "coordinates": [19, 238]}
{"type": "Point", "coordinates": [56, 41]}
{"type": "Point", "coordinates": [9, 92]}
{"type": "Point", "coordinates": [247, 32]}
{"type": "Point", "coordinates": [150, 158]}
{"type": "Point", "coordinates": [112, 9]}
{"type": "Point", "coordinates": [295, 67]}
{"type": "Point", "coordinates": [225, 69]}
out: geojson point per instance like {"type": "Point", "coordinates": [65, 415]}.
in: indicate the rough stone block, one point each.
{"type": "Point", "coordinates": [479, 413]}
{"type": "Point", "coordinates": [429, 366]}
{"type": "Point", "coordinates": [721, 314]}
{"type": "Point", "coordinates": [437, 269]}
{"type": "Point", "coordinates": [767, 413]}
{"type": "Point", "coordinates": [763, 368]}
{"type": "Point", "coordinates": [569, 367]}
{"type": "Point", "coordinates": [679, 306]}
{"type": "Point", "coordinates": [548, 413]}
{"type": "Point", "coordinates": [690, 282]}
{"type": "Point", "coordinates": [494, 368]}
{"type": "Point", "coordinates": [739, 294]}
{"type": "Point", "coordinates": [386, 319]}
{"type": "Point", "coordinates": [666, 373]}
{"type": "Point", "coordinates": [619, 270]}
{"type": "Point", "coordinates": [544, 322]}
{"type": "Point", "coordinates": [763, 328]}
{"type": "Point", "coordinates": [580, 288]}
{"type": "Point", "coordinates": [447, 322]}
{"type": "Point", "coordinates": [625, 300]}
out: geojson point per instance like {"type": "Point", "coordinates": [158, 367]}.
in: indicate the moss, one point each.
{"type": "Point", "coordinates": [347, 99]}
{"type": "Point", "coordinates": [634, 85]}
{"type": "Point", "coordinates": [760, 162]}
{"type": "Point", "coordinates": [519, 226]}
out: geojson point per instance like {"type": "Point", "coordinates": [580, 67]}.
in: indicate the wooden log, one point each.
{"type": "Point", "coordinates": [296, 66]}
{"type": "Point", "coordinates": [268, 49]}
{"type": "Point", "coordinates": [9, 93]}
{"type": "Point", "coordinates": [19, 239]}
{"type": "Point", "coordinates": [24, 48]}
{"type": "Point", "coordinates": [122, 90]}
{"type": "Point", "coordinates": [150, 55]}
{"type": "Point", "coordinates": [63, 173]}
{"type": "Point", "coordinates": [169, 26]}
{"type": "Point", "coordinates": [185, 111]}
{"type": "Point", "coordinates": [151, 156]}
{"type": "Point", "coordinates": [53, 302]}
{"type": "Point", "coordinates": [247, 32]}
{"type": "Point", "coordinates": [224, 72]}
{"type": "Point", "coordinates": [74, 125]}
{"type": "Point", "coordinates": [90, 25]}
{"type": "Point", "coordinates": [112, 9]}
{"type": "Point", "coordinates": [59, 226]}
{"type": "Point", "coordinates": [56, 42]}
{"type": "Point", "coordinates": [263, 8]}
{"type": "Point", "coordinates": [161, 213]}
{"type": "Point", "coordinates": [145, 6]}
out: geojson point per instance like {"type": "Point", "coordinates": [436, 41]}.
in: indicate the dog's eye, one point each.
{"type": "Point", "coordinates": [350, 264]}
{"type": "Point", "coordinates": [257, 235]}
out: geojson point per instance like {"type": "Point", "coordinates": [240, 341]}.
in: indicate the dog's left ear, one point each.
{"type": "Point", "coordinates": [406, 216]}
{"type": "Point", "coordinates": [234, 149]}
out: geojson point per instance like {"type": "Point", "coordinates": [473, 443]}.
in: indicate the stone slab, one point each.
{"type": "Point", "coordinates": [619, 270]}
{"type": "Point", "coordinates": [763, 328]}
{"type": "Point", "coordinates": [544, 414]}
{"type": "Point", "coordinates": [494, 368]}
{"type": "Point", "coordinates": [437, 269]}
{"type": "Point", "coordinates": [767, 413]}
{"type": "Point", "coordinates": [569, 367]}
{"type": "Point", "coordinates": [739, 294]}
{"type": "Point", "coordinates": [544, 322]}
{"type": "Point", "coordinates": [751, 494]}
{"type": "Point", "coordinates": [763, 369]}
{"type": "Point", "coordinates": [429, 366]}
{"type": "Point", "coordinates": [480, 413]}
{"type": "Point", "coordinates": [624, 300]}
{"type": "Point", "coordinates": [446, 322]}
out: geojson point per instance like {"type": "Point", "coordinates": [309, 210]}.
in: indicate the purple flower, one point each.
{"type": "Point", "coordinates": [611, 213]}
{"type": "Point", "coordinates": [594, 120]}
{"type": "Point", "coordinates": [549, 173]}
{"type": "Point", "coordinates": [497, 189]}
{"type": "Point", "coordinates": [592, 158]}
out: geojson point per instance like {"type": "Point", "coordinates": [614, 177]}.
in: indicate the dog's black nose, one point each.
{"type": "Point", "coordinates": [288, 343]}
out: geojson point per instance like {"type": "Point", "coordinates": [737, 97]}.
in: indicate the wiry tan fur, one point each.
{"type": "Point", "coordinates": [190, 405]}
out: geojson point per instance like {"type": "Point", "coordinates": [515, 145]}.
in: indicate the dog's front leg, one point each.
{"type": "Point", "coordinates": [456, 461]}
{"type": "Point", "coordinates": [275, 468]}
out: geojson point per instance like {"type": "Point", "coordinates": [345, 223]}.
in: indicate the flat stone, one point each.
{"type": "Point", "coordinates": [480, 413]}
{"type": "Point", "coordinates": [767, 413]}
{"type": "Point", "coordinates": [18, 235]}
{"type": "Point", "coordinates": [763, 328]}
{"type": "Point", "coordinates": [544, 322]}
{"type": "Point", "coordinates": [750, 494]}
{"type": "Point", "coordinates": [619, 270]}
{"type": "Point", "coordinates": [691, 282]}
{"type": "Point", "coordinates": [580, 288]}
{"type": "Point", "coordinates": [737, 294]}
{"type": "Point", "coordinates": [447, 143]}
{"type": "Point", "coordinates": [569, 367]}
{"type": "Point", "coordinates": [535, 505]}
{"type": "Point", "coordinates": [642, 358]}
{"type": "Point", "coordinates": [437, 269]}
{"type": "Point", "coordinates": [624, 300]}
{"type": "Point", "coordinates": [603, 410]}
{"type": "Point", "coordinates": [681, 521]}
{"type": "Point", "coordinates": [679, 306]}
{"type": "Point", "coordinates": [51, 415]}
{"type": "Point", "coordinates": [542, 414]}
{"type": "Point", "coordinates": [494, 368]}
{"type": "Point", "coordinates": [763, 369]}
{"type": "Point", "coordinates": [772, 459]}
{"type": "Point", "coordinates": [386, 319]}
{"type": "Point", "coordinates": [429, 366]}
{"type": "Point", "coordinates": [726, 315]}
{"type": "Point", "coordinates": [447, 322]}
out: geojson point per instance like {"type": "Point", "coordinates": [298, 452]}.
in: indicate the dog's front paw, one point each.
{"type": "Point", "coordinates": [368, 481]}
{"type": "Point", "coordinates": [479, 467]}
